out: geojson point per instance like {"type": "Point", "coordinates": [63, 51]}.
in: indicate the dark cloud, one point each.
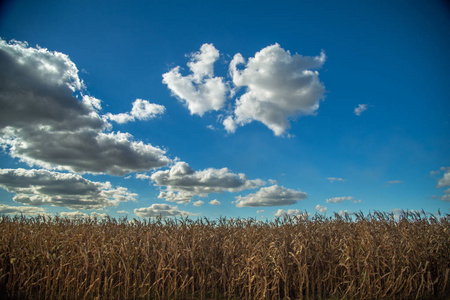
{"type": "Point", "coordinates": [41, 187]}
{"type": "Point", "coordinates": [43, 122]}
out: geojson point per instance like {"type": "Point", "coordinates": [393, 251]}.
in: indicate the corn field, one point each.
{"type": "Point", "coordinates": [353, 257]}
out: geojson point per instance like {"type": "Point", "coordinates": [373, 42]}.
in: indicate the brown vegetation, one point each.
{"type": "Point", "coordinates": [370, 257]}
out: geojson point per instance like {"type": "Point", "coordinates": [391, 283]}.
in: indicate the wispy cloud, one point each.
{"type": "Point", "coordinates": [333, 179]}
{"type": "Point", "coordinates": [360, 109]}
{"type": "Point", "coordinates": [341, 199]}
{"type": "Point", "coordinates": [394, 182]}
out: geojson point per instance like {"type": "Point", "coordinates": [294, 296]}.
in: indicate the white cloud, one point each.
{"type": "Point", "coordinates": [122, 212]}
{"type": "Point", "coordinates": [43, 123]}
{"type": "Point", "coordinates": [160, 210]}
{"type": "Point", "coordinates": [40, 187]}
{"type": "Point", "coordinates": [320, 208]}
{"type": "Point", "coordinates": [214, 202]}
{"type": "Point", "coordinates": [271, 196]}
{"type": "Point", "coordinates": [143, 176]}
{"type": "Point", "coordinates": [333, 179]}
{"type": "Point", "coordinates": [142, 110]}
{"type": "Point", "coordinates": [79, 215]}
{"type": "Point", "coordinates": [291, 213]}
{"type": "Point", "coordinates": [97, 215]}
{"type": "Point", "coordinates": [360, 109]}
{"type": "Point", "coordinates": [198, 203]}
{"type": "Point", "coordinates": [200, 91]}
{"type": "Point", "coordinates": [181, 182]}
{"type": "Point", "coordinates": [278, 85]}
{"type": "Point", "coordinates": [343, 212]}
{"type": "Point", "coordinates": [446, 197]}
{"type": "Point", "coordinates": [444, 181]}
{"type": "Point", "coordinates": [74, 215]}
{"type": "Point", "coordinates": [341, 199]}
{"type": "Point", "coordinates": [441, 169]}
{"type": "Point", "coordinates": [26, 210]}
{"type": "Point", "coordinates": [260, 211]}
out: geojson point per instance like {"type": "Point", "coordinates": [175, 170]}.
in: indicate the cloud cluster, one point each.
{"type": "Point", "coordinates": [181, 182]}
{"type": "Point", "coordinates": [160, 210]}
{"type": "Point", "coordinates": [41, 187]}
{"type": "Point", "coordinates": [291, 213]}
{"type": "Point", "coordinates": [200, 91]}
{"type": "Point", "coordinates": [445, 182]}
{"type": "Point", "coordinates": [80, 215]}
{"type": "Point", "coordinates": [43, 123]}
{"type": "Point", "coordinates": [321, 209]}
{"type": "Point", "coordinates": [360, 109]}
{"type": "Point", "coordinates": [17, 210]}
{"type": "Point", "coordinates": [278, 86]}
{"type": "Point", "coordinates": [141, 110]}
{"type": "Point", "coordinates": [271, 196]}
{"type": "Point", "coordinates": [341, 199]}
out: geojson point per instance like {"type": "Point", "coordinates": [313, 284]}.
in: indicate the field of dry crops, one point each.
{"type": "Point", "coordinates": [369, 257]}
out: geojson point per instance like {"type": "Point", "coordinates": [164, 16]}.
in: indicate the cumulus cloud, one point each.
{"type": "Point", "coordinates": [198, 203]}
{"type": "Point", "coordinates": [360, 109]}
{"type": "Point", "coordinates": [44, 123]}
{"type": "Point", "coordinates": [333, 179]}
{"type": "Point", "coordinates": [160, 210]}
{"type": "Point", "coordinates": [214, 202]}
{"type": "Point", "coordinates": [26, 210]}
{"type": "Point", "coordinates": [321, 209]}
{"type": "Point", "coordinates": [181, 182]}
{"type": "Point", "coordinates": [41, 187]}
{"type": "Point", "coordinates": [291, 213]}
{"type": "Point", "coordinates": [278, 86]}
{"type": "Point", "coordinates": [444, 181]}
{"type": "Point", "coordinates": [200, 91]}
{"type": "Point", "coordinates": [446, 197]}
{"type": "Point", "coordinates": [271, 196]}
{"type": "Point", "coordinates": [142, 110]}
{"type": "Point", "coordinates": [341, 199]}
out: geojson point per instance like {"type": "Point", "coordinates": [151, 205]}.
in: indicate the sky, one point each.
{"type": "Point", "coordinates": [237, 109]}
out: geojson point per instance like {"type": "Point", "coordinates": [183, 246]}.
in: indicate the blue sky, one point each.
{"type": "Point", "coordinates": [142, 108]}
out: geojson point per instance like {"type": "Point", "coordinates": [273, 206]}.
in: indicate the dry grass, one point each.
{"type": "Point", "coordinates": [370, 257]}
